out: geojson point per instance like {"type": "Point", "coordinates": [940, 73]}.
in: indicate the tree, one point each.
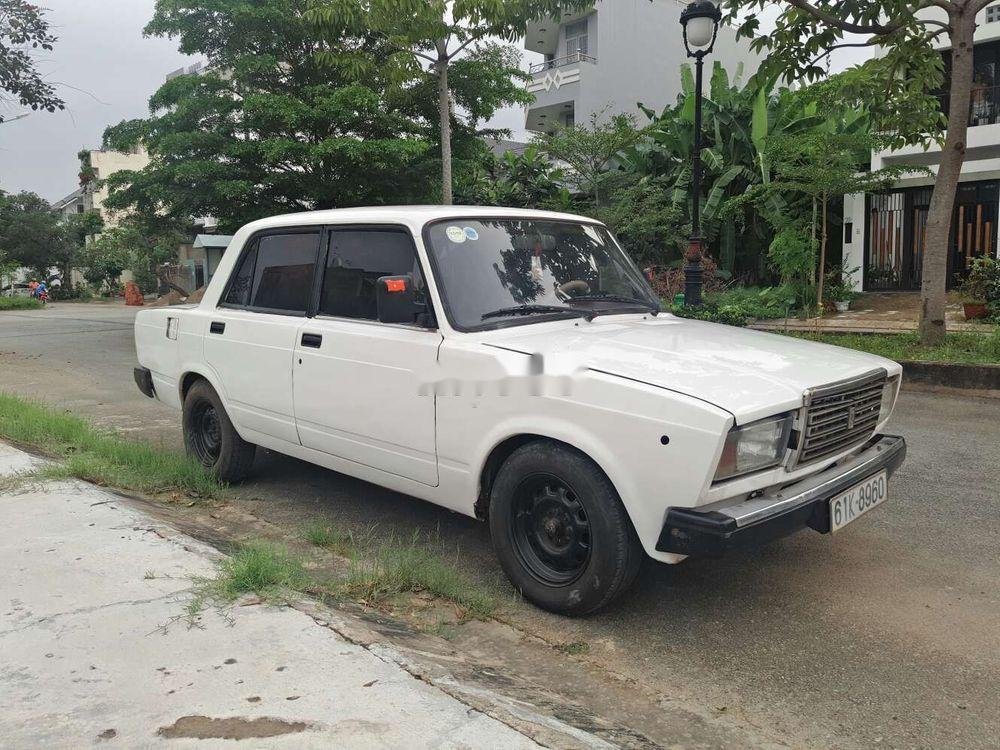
{"type": "Point", "coordinates": [911, 70]}
{"type": "Point", "coordinates": [434, 33]}
{"type": "Point", "coordinates": [525, 180]}
{"type": "Point", "coordinates": [590, 150]}
{"type": "Point", "coordinates": [30, 233]}
{"type": "Point", "coordinates": [23, 28]}
{"type": "Point", "coordinates": [267, 128]}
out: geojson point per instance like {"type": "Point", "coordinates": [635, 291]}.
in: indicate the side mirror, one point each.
{"type": "Point", "coordinates": [395, 299]}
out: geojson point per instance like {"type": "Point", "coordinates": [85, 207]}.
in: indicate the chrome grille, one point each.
{"type": "Point", "coordinates": [839, 416]}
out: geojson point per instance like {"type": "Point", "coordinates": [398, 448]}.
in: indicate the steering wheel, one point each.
{"type": "Point", "coordinates": [574, 288]}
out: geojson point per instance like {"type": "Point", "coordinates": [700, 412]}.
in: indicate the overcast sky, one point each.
{"type": "Point", "coordinates": [106, 71]}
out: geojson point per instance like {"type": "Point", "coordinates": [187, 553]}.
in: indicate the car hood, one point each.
{"type": "Point", "coordinates": [750, 374]}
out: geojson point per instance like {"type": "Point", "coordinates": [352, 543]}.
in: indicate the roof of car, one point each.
{"type": "Point", "coordinates": [406, 215]}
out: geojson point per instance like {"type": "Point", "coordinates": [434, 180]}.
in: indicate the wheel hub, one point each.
{"type": "Point", "coordinates": [551, 530]}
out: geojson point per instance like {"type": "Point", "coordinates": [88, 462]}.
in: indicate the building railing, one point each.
{"type": "Point", "coordinates": [984, 105]}
{"type": "Point", "coordinates": [558, 62]}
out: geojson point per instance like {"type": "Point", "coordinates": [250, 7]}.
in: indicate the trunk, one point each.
{"type": "Point", "coordinates": [935, 267]}
{"type": "Point", "coordinates": [822, 259]}
{"type": "Point", "coordinates": [444, 113]}
{"type": "Point", "coordinates": [812, 237]}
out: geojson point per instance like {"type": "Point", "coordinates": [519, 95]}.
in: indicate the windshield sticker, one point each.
{"type": "Point", "coordinates": [471, 234]}
{"type": "Point", "coordinates": [455, 234]}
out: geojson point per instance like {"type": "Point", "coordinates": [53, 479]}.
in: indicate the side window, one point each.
{"type": "Point", "coordinates": [283, 272]}
{"type": "Point", "coordinates": [357, 259]}
{"type": "Point", "coordinates": [239, 287]}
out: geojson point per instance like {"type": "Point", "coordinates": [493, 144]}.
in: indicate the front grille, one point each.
{"type": "Point", "coordinates": [839, 416]}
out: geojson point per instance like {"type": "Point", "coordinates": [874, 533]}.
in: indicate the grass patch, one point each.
{"type": "Point", "coordinates": [395, 568]}
{"type": "Point", "coordinates": [98, 456]}
{"type": "Point", "coordinates": [576, 648]}
{"type": "Point", "coordinates": [962, 348]}
{"type": "Point", "coordinates": [326, 535]}
{"type": "Point", "coordinates": [19, 303]}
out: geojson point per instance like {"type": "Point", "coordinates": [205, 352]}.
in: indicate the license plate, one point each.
{"type": "Point", "coordinates": [857, 501]}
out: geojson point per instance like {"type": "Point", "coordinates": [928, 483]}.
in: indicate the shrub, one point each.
{"type": "Point", "coordinates": [668, 281]}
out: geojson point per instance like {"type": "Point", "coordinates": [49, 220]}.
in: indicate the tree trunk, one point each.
{"type": "Point", "coordinates": [444, 113]}
{"type": "Point", "coordinates": [812, 237]}
{"type": "Point", "coordinates": [822, 258]}
{"type": "Point", "coordinates": [933, 297]}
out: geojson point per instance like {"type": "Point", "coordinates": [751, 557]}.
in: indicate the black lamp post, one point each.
{"type": "Point", "coordinates": [700, 21]}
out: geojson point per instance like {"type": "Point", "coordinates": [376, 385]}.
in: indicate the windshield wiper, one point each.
{"type": "Point", "coordinates": [536, 310]}
{"type": "Point", "coordinates": [607, 297]}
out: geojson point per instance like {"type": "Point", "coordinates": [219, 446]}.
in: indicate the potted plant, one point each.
{"type": "Point", "coordinates": [841, 292]}
{"type": "Point", "coordinates": [979, 286]}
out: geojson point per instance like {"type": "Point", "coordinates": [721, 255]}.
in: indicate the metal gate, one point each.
{"type": "Point", "coordinates": [897, 234]}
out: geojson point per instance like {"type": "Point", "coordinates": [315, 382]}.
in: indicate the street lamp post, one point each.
{"type": "Point", "coordinates": [700, 21]}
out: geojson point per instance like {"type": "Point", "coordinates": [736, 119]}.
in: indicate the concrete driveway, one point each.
{"type": "Point", "coordinates": [885, 635]}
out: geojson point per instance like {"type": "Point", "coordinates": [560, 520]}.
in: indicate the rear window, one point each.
{"type": "Point", "coordinates": [276, 273]}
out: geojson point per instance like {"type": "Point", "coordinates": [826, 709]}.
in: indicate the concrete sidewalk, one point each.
{"type": "Point", "coordinates": [94, 648]}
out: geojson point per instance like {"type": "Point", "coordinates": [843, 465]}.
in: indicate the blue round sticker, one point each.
{"type": "Point", "coordinates": [471, 234]}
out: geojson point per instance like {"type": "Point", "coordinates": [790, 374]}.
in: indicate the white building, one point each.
{"type": "Point", "coordinates": [884, 234]}
{"type": "Point", "coordinates": [613, 56]}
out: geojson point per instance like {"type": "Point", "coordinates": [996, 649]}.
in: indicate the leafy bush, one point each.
{"type": "Point", "coordinates": [737, 305]}
{"type": "Point", "coordinates": [19, 303]}
{"type": "Point", "coordinates": [668, 281]}
{"type": "Point", "coordinates": [983, 282]}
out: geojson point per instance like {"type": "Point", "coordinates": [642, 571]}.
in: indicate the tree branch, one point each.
{"type": "Point", "coordinates": [979, 5]}
{"type": "Point", "coordinates": [839, 23]}
{"type": "Point", "coordinates": [834, 48]}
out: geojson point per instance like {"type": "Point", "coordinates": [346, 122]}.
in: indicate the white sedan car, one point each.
{"type": "Point", "coordinates": [515, 366]}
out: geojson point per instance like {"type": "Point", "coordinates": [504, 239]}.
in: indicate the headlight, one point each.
{"type": "Point", "coordinates": [755, 446]}
{"type": "Point", "coordinates": [889, 391]}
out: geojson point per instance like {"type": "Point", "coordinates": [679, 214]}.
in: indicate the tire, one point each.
{"type": "Point", "coordinates": [211, 439]}
{"type": "Point", "coordinates": [560, 530]}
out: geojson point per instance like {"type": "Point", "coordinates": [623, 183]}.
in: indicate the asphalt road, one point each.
{"type": "Point", "coordinates": [886, 635]}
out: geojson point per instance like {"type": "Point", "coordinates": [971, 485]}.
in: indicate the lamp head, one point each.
{"type": "Point", "coordinates": [700, 20]}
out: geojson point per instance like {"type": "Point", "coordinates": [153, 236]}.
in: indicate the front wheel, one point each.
{"type": "Point", "coordinates": [560, 530]}
{"type": "Point", "coordinates": [210, 438]}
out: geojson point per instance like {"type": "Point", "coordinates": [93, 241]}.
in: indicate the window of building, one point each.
{"type": "Point", "coordinates": [569, 120]}
{"type": "Point", "coordinates": [276, 273]}
{"type": "Point", "coordinates": [358, 258]}
{"type": "Point", "coordinates": [993, 14]}
{"type": "Point", "coordinates": [577, 38]}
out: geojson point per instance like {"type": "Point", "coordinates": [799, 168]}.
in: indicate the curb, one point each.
{"type": "Point", "coordinates": [962, 377]}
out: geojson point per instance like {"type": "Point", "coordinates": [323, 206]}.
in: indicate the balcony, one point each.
{"type": "Point", "coordinates": [576, 57]}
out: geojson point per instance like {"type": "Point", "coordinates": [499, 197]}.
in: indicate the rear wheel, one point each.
{"type": "Point", "coordinates": [560, 530]}
{"type": "Point", "coordinates": [210, 438]}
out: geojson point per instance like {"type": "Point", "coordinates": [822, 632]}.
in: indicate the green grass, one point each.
{"type": "Point", "coordinates": [399, 568]}
{"type": "Point", "coordinates": [326, 535]}
{"type": "Point", "coordinates": [98, 456]}
{"type": "Point", "coordinates": [19, 303]}
{"type": "Point", "coordinates": [964, 348]}
{"type": "Point", "coordinates": [576, 648]}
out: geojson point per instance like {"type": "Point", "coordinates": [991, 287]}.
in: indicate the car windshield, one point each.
{"type": "Point", "coordinates": [500, 271]}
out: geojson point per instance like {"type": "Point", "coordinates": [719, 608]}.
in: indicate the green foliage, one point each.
{"type": "Point", "coordinates": [267, 129]}
{"type": "Point", "coordinates": [590, 150]}
{"type": "Point", "coordinates": [23, 31]}
{"type": "Point", "coordinates": [19, 303]}
{"type": "Point", "coordinates": [983, 282]}
{"type": "Point", "coordinates": [30, 234]}
{"type": "Point", "coordinates": [896, 88]}
{"type": "Point", "coordinates": [414, 33]}
{"type": "Point", "coordinates": [525, 180]}
{"type": "Point", "coordinates": [736, 305]}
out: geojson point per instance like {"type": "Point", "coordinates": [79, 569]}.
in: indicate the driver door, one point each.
{"type": "Point", "coordinates": [357, 381]}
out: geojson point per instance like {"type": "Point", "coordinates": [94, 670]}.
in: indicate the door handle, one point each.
{"type": "Point", "coordinates": [312, 340]}
{"type": "Point", "coordinates": [217, 327]}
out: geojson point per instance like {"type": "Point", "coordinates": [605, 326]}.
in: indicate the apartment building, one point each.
{"type": "Point", "coordinates": [884, 234]}
{"type": "Point", "coordinates": [612, 56]}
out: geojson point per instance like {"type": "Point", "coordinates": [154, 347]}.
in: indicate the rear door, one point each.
{"type": "Point", "coordinates": [251, 338]}
{"type": "Point", "coordinates": [358, 381]}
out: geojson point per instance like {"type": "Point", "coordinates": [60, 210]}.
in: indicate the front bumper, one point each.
{"type": "Point", "coordinates": [711, 532]}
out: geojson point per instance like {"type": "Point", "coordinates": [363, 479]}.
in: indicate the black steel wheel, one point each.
{"type": "Point", "coordinates": [560, 530]}
{"type": "Point", "coordinates": [551, 530]}
{"type": "Point", "coordinates": [211, 439]}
